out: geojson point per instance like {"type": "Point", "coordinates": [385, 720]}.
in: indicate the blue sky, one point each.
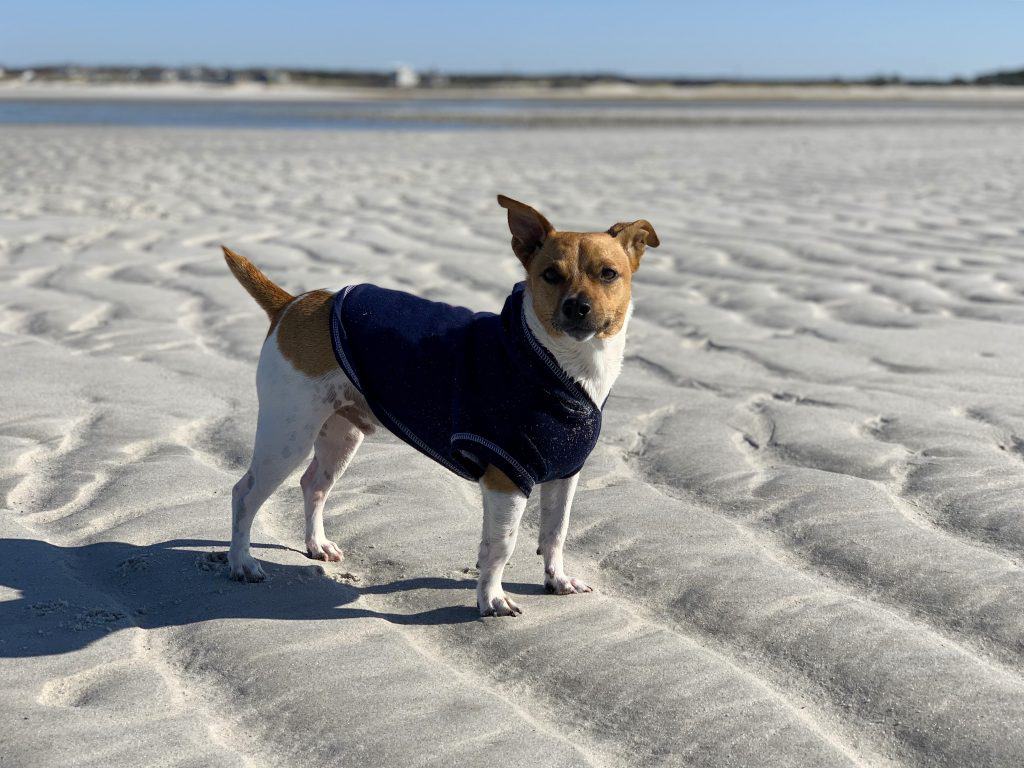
{"type": "Point", "coordinates": [742, 38]}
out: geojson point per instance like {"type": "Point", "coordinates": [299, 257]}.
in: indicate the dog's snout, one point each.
{"type": "Point", "coordinates": [576, 307]}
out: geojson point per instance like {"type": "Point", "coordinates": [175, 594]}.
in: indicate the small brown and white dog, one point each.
{"type": "Point", "coordinates": [576, 303]}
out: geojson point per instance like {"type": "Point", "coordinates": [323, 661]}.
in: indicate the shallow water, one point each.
{"type": "Point", "coordinates": [454, 114]}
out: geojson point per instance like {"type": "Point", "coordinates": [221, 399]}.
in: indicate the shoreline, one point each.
{"type": "Point", "coordinates": [988, 95]}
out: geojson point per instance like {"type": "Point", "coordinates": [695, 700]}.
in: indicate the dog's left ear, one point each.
{"type": "Point", "coordinates": [635, 236]}
{"type": "Point", "coordinates": [529, 228]}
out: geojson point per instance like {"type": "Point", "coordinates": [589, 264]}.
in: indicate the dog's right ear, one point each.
{"type": "Point", "coordinates": [529, 228]}
{"type": "Point", "coordinates": [635, 236]}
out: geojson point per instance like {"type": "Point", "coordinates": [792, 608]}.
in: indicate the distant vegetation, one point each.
{"type": "Point", "coordinates": [408, 78]}
{"type": "Point", "coordinates": [1013, 77]}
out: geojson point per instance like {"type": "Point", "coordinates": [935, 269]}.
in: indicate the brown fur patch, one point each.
{"type": "Point", "coordinates": [496, 480]}
{"type": "Point", "coordinates": [303, 334]}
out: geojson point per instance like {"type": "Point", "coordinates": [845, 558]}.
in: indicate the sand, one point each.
{"type": "Point", "coordinates": [803, 519]}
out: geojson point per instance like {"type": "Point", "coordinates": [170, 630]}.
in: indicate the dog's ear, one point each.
{"type": "Point", "coordinates": [635, 236]}
{"type": "Point", "coordinates": [529, 228]}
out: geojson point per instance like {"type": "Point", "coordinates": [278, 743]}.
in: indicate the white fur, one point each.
{"type": "Point", "coordinates": [299, 414]}
{"type": "Point", "coordinates": [502, 513]}
{"type": "Point", "coordinates": [555, 503]}
{"type": "Point", "coordinates": [594, 363]}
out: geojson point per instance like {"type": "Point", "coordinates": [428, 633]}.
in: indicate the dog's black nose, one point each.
{"type": "Point", "coordinates": [576, 308]}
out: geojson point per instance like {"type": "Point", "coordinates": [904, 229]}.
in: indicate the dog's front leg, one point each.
{"type": "Point", "coordinates": [555, 503]}
{"type": "Point", "coordinates": [503, 509]}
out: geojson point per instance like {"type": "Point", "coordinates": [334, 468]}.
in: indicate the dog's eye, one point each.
{"type": "Point", "coordinates": [551, 275]}
{"type": "Point", "coordinates": [608, 274]}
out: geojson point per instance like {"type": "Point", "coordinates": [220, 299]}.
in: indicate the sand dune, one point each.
{"type": "Point", "coordinates": [804, 519]}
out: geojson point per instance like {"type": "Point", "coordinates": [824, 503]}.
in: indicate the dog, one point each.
{"type": "Point", "coordinates": [508, 401]}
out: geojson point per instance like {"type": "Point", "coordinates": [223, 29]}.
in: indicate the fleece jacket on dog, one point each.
{"type": "Point", "coordinates": [465, 388]}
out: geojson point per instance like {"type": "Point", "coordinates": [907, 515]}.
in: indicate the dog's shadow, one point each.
{"type": "Point", "coordinates": [59, 599]}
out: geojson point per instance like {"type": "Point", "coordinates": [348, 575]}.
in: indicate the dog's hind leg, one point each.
{"type": "Point", "coordinates": [333, 449]}
{"type": "Point", "coordinates": [280, 449]}
{"type": "Point", "coordinates": [293, 407]}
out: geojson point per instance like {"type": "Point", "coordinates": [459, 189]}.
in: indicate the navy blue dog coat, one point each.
{"type": "Point", "coordinates": [465, 388]}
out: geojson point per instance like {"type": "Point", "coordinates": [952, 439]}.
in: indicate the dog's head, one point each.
{"type": "Point", "coordinates": [580, 281]}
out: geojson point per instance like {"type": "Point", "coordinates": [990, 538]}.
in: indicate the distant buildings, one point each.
{"type": "Point", "coordinates": [405, 77]}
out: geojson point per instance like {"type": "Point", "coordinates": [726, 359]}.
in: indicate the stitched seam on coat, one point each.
{"type": "Point", "coordinates": [496, 448]}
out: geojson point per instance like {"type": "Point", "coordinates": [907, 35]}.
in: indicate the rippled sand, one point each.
{"type": "Point", "coordinates": [804, 519]}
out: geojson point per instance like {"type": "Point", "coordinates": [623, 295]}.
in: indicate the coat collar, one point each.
{"type": "Point", "coordinates": [514, 320]}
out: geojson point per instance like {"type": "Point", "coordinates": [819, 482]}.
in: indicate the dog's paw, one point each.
{"type": "Point", "coordinates": [495, 603]}
{"type": "Point", "coordinates": [560, 584]}
{"type": "Point", "coordinates": [246, 568]}
{"type": "Point", "coordinates": [322, 549]}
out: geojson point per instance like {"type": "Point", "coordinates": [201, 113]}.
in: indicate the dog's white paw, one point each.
{"type": "Point", "coordinates": [560, 584]}
{"type": "Point", "coordinates": [322, 549]}
{"type": "Point", "coordinates": [246, 568]}
{"type": "Point", "coordinates": [493, 602]}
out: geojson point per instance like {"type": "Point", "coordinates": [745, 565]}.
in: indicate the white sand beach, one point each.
{"type": "Point", "coordinates": [803, 519]}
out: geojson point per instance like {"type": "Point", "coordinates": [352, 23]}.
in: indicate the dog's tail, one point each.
{"type": "Point", "coordinates": [272, 297]}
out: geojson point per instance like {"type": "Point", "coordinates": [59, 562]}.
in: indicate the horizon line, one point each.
{"type": "Point", "coordinates": [526, 75]}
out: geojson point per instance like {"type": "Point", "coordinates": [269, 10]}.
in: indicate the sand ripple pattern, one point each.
{"type": "Point", "coordinates": [804, 519]}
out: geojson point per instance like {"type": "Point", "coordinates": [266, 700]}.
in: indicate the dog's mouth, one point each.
{"type": "Point", "coordinates": [580, 330]}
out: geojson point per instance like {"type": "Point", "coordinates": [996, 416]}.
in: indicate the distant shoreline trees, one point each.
{"type": "Point", "coordinates": [409, 78]}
